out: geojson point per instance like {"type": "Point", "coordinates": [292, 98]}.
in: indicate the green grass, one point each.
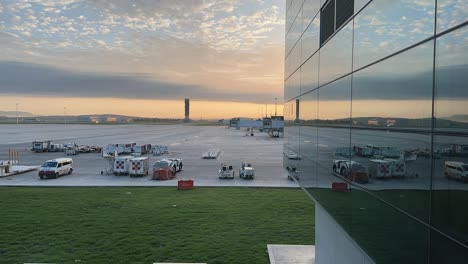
{"type": "Point", "coordinates": [145, 225]}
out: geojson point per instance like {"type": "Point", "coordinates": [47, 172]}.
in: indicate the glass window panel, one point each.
{"type": "Point", "coordinates": [384, 27]}
{"type": "Point", "coordinates": [309, 10]}
{"type": "Point", "coordinates": [309, 74]}
{"type": "Point", "coordinates": [336, 55]}
{"type": "Point", "coordinates": [327, 26]}
{"type": "Point", "coordinates": [291, 126]}
{"type": "Point", "coordinates": [310, 39]}
{"type": "Point", "coordinates": [389, 95]}
{"type": "Point", "coordinates": [307, 161]}
{"type": "Point", "coordinates": [451, 13]}
{"type": "Point", "coordinates": [359, 4]}
{"type": "Point", "coordinates": [451, 93]}
{"type": "Point", "coordinates": [343, 11]}
{"type": "Point", "coordinates": [385, 234]}
{"type": "Point", "coordinates": [391, 139]}
{"type": "Point", "coordinates": [444, 250]}
{"type": "Point", "coordinates": [334, 110]}
{"type": "Point", "coordinates": [450, 174]}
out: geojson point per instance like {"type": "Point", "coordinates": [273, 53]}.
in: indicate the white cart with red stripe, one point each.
{"type": "Point", "coordinates": [121, 165]}
{"type": "Point", "coordinates": [138, 166]}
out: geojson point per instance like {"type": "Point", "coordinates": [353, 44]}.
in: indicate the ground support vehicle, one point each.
{"type": "Point", "coordinates": [351, 170]}
{"type": "Point", "coordinates": [226, 172]}
{"type": "Point", "coordinates": [246, 172]}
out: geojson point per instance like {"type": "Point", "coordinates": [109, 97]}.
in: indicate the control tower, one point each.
{"type": "Point", "coordinates": [187, 110]}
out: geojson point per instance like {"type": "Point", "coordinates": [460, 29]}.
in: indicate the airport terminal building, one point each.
{"type": "Point", "coordinates": [376, 126]}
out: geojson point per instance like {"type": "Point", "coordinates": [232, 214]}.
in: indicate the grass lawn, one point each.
{"type": "Point", "coordinates": [146, 225]}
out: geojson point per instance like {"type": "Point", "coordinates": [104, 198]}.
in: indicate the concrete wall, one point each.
{"type": "Point", "coordinates": [333, 245]}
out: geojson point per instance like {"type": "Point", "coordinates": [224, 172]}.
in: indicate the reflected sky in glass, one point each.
{"type": "Point", "coordinates": [384, 27]}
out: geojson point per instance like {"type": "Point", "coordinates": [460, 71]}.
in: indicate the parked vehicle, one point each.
{"type": "Point", "coordinates": [72, 151]}
{"type": "Point", "coordinates": [41, 146]}
{"type": "Point", "coordinates": [56, 148]}
{"type": "Point", "coordinates": [344, 152]}
{"type": "Point", "coordinates": [174, 164]}
{"type": "Point", "coordinates": [158, 150]}
{"type": "Point", "coordinates": [142, 150]}
{"type": "Point", "coordinates": [226, 172]}
{"type": "Point", "coordinates": [293, 173]}
{"type": "Point", "coordinates": [139, 166]}
{"type": "Point", "coordinates": [351, 170]}
{"type": "Point", "coordinates": [211, 154]}
{"type": "Point", "coordinates": [379, 168]}
{"type": "Point", "coordinates": [363, 151]}
{"type": "Point", "coordinates": [397, 167]}
{"type": "Point", "coordinates": [121, 165]}
{"type": "Point", "coordinates": [456, 170]}
{"type": "Point", "coordinates": [292, 155]}
{"type": "Point", "coordinates": [55, 168]}
{"type": "Point", "coordinates": [246, 172]}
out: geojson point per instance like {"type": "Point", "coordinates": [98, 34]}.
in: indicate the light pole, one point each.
{"type": "Point", "coordinates": [17, 116]}
{"type": "Point", "coordinates": [275, 106]}
{"type": "Point", "coordinates": [65, 115]}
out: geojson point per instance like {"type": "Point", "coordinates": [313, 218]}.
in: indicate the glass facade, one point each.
{"type": "Point", "coordinates": [382, 106]}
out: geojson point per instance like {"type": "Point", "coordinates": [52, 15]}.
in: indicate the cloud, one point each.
{"type": "Point", "coordinates": [40, 80]}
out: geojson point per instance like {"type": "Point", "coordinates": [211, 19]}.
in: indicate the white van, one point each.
{"type": "Point", "coordinates": [55, 168]}
{"type": "Point", "coordinates": [457, 170]}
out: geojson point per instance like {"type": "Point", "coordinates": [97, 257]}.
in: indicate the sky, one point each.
{"type": "Point", "coordinates": [142, 57]}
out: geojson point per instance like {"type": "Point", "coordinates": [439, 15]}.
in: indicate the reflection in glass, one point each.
{"type": "Point", "coordinates": [336, 55]}
{"type": "Point", "coordinates": [385, 27]}
{"type": "Point", "coordinates": [309, 74]}
{"type": "Point", "coordinates": [390, 95]}
{"type": "Point", "coordinates": [359, 4]}
{"type": "Point", "coordinates": [450, 150]}
{"type": "Point", "coordinates": [450, 13]}
{"type": "Point", "coordinates": [308, 138]}
{"type": "Point", "coordinates": [334, 110]}
{"type": "Point", "coordinates": [311, 38]}
{"type": "Point", "coordinates": [451, 93]}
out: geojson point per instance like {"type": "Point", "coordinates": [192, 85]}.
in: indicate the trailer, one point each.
{"type": "Point", "coordinates": [363, 151]}
{"type": "Point", "coordinates": [158, 150]}
{"type": "Point", "coordinates": [397, 167]}
{"type": "Point", "coordinates": [142, 149]}
{"type": "Point", "coordinates": [379, 168]}
{"type": "Point", "coordinates": [121, 165]}
{"type": "Point", "coordinates": [211, 154]}
{"type": "Point", "coordinates": [41, 146]}
{"type": "Point", "coordinates": [138, 166]}
{"type": "Point", "coordinates": [72, 151]}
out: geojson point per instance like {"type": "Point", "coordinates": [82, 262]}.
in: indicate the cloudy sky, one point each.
{"type": "Point", "coordinates": [141, 57]}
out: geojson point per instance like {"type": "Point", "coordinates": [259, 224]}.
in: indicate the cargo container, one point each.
{"type": "Point", "coordinates": [121, 165]}
{"type": "Point", "coordinates": [138, 166]}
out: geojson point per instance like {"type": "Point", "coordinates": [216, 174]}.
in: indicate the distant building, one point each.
{"type": "Point", "coordinates": [373, 122]}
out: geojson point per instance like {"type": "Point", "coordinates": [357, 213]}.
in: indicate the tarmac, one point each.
{"type": "Point", "coordinates": [190, 141]}
{"type": "Point", "coordinates": [185, 141]}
